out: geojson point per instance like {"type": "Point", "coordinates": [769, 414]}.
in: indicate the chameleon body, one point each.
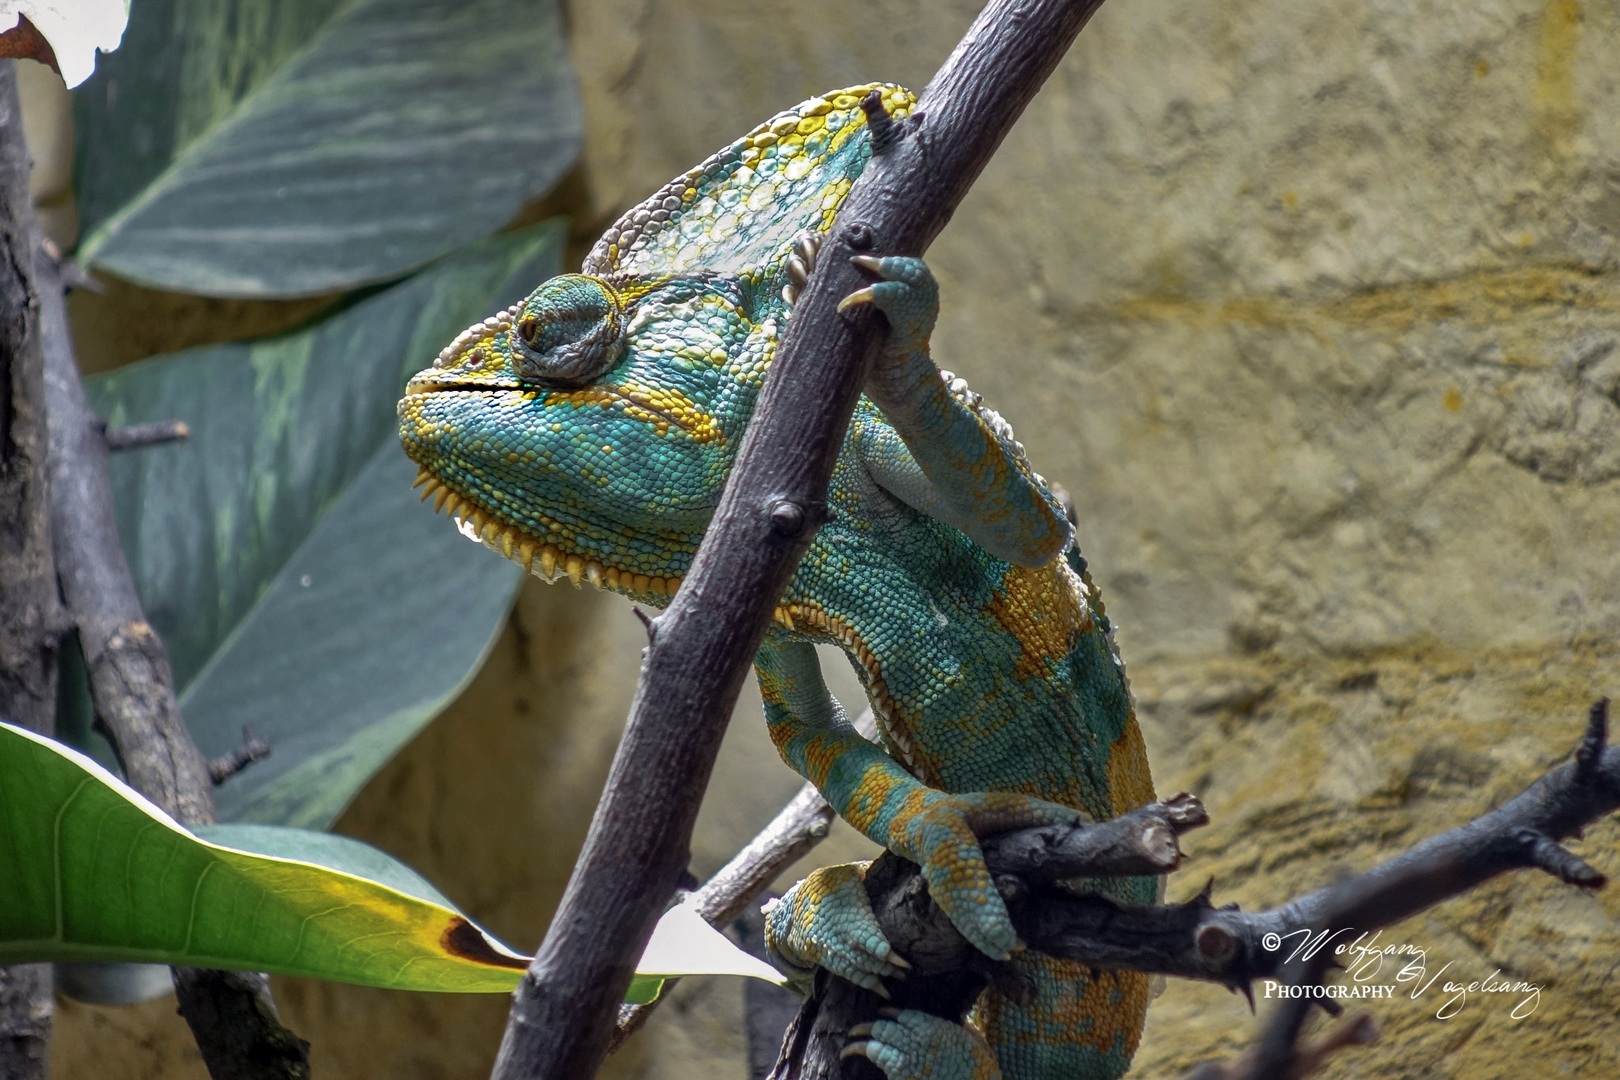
{"type": "Point", "coordinates": [587, 432]}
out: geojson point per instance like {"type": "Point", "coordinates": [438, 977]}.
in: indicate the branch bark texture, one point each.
{"type": "Point", "coordinates": [31, 619]}
{"type": "Point", "coordinates": [563, 1012]}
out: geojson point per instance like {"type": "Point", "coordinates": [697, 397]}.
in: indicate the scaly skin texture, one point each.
{"type": "Point", "coordinates": [588, 431]}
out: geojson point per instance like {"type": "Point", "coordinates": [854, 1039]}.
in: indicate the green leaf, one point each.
{"type": "Point", "coordinates": [91, 871]}
{"type": "Point", "coordinates": [299, 584]}
{"type": "Point", "coordinates": [269, 148]}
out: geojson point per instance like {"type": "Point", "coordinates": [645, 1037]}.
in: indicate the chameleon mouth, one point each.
{"type": "Point", "coordinates": [662, 410]}
{"type": "Point", "coordinates": [543, 559]}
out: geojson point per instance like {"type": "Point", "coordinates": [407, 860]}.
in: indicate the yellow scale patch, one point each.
{"type": "Point", "coordinates": [1092, 1017]}
{"type": "Point", "coordinates": [662, 408]}
{"type": "Point", "coordinates": [1042, 609]}
{"type": "Point", "coordinates": [1130, 784]}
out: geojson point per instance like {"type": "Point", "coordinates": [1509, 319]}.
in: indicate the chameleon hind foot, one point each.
{"type": "Point", "coordinates": [826, 921]}
{"type": "Point", "coordinates": [911, 1045]}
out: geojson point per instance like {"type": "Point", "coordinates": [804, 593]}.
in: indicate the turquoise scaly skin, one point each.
{"type": "Point", "coordinates": [587, 432]}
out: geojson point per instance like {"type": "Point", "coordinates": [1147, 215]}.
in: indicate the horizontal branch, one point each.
{"type": "Point", "coordinates": [1199, 941]}
{"type": "Point", "coordinates": [1196, 940]}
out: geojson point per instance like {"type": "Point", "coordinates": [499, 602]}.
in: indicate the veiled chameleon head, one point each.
{"type": "Point", "coordinates": [589, 429]}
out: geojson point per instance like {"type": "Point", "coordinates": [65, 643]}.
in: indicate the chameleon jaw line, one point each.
{"type": "Point", "coordinates": [541, 558]}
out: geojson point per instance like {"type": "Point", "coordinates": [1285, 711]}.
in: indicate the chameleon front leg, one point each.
{"type": "Point", "coordinates": [950, 463]}
{"type": "Point", "coordinates": [937, 830]}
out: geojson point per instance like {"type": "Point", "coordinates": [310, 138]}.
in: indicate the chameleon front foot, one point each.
{"type": "Point", "coordinates": [942, 837]}
{"type": "Point", "coordinates": [826, 921]}
{"type": "Point", "coordinates": [906, 293]}
{"type": "Point", "coordinates": [911, 1045]}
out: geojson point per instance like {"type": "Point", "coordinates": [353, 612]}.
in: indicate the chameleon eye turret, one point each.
{"type": "Point", "coordinates": [568, 332]}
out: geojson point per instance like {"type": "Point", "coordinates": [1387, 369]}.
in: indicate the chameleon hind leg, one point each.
{"type": "Point", "coordinates": [950, 461]}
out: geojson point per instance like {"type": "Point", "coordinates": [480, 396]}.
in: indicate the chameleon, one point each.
{"type": "Point", "coordinates": [586, 433]}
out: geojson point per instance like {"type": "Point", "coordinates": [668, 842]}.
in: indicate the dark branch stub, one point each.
{"type": "Point", "coordinates": [254, 748]}
{"type": "Point", "coordinates": [1590, 753]}
{"type": "Point", "coordinates": [787, 518]}
{"type": "Point", "coordinates": [154, 433]}
{"type": "Point", "coordinates": [885, 132]}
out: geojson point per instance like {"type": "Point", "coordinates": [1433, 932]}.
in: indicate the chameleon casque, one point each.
{"type": "Point", "coordinates": [587, 432]}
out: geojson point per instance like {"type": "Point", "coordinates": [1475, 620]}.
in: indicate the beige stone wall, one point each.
{"type": "Point", "coordinates": [1313, 307]}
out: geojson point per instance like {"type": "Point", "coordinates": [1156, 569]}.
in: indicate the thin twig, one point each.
{"type": "Point", "coordinates": [154, 433]}
{"type": "Point", "coordinates": [254, 748]}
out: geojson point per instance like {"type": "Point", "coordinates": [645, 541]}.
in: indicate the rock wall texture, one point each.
{"type": "Point", "coordinates": [1314, 308]}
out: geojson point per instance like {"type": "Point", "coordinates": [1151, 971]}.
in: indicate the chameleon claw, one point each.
{"type": "Point", "coordinates": [861, 1031]}
{"type": "Point", "coordinates": [855, 1049]}
{"type": "Point", "coordinates": [859, 296]}
{"type": "Point", "coordinates": [898, 961]}
{"type": "Point", "coordinates": [880, 990]}
{"type": "Point", "coordinates": [867, 262]}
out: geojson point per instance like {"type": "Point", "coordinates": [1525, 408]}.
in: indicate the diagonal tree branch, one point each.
{"type": "Point", "coordinates": [563, 1012]}
{"type": "Point", "coordinates": [799, 826]}
{"type": "Point", "coordinates": [231, 1014]}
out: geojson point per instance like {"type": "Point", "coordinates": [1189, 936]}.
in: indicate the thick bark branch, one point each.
{"type": "Point", "coordinates": [31, 619]}
{"type": "Point", "coordinates": [563, 1012]}
{"type": "Point", "coordinates": [231, 1014]}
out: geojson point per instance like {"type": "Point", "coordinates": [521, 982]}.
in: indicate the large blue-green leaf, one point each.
{"type": "Point", "coordinates": [266, 148]}
{"type": "Point", "coordinates": [280, 552]}
{"type": "Point", "coordinates": [90, 871]}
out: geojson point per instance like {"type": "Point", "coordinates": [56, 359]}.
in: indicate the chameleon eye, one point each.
{"type": "Point", "coordinates": [571, 330]}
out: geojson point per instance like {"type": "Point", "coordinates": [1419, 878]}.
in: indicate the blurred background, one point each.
{"type": "Point", "coordinates": [1313, 307]}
